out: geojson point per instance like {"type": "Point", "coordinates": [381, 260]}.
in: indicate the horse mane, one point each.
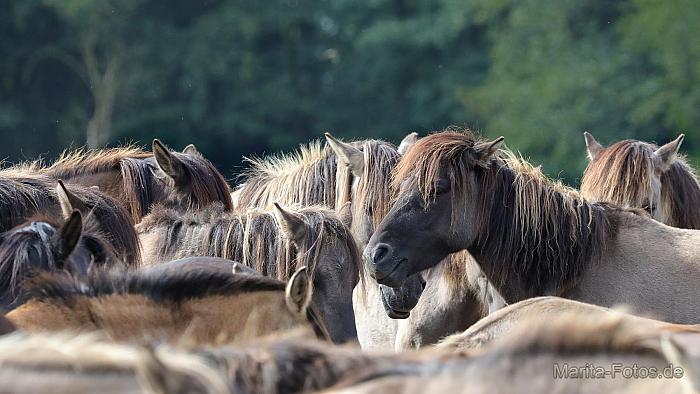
{"type": "Point", "coordinates": [252, 238]}
{"type": "Point", "coordinates": [84, 161]}
{"type": "Point", "coordinates": [312, 176]}
{"type": "Point", "coordinates": [538, 229]}
{"type": "Point", "coordinates": [23, 196]}
{"type": "Point", "coordinates": [16, 247]}
{"type": "Point", "coordinates": [373, 194]}
{"type": "Point", "coordinates": [622, 174]}
{"type": "Point", "coordinates": [158, 369]}
{"type": "Point", "coordinates": [160, 287]}
{"type": "Point", "coordinates": [306, 177]}
{"type": "Point", "coordinates": [136, 172]}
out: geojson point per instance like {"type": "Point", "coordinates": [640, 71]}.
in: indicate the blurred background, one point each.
{"type": "Point", "coordinates": [253, 77]}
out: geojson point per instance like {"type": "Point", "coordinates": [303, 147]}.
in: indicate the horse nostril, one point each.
{"type": "Point", "coordinates": [380, 252]}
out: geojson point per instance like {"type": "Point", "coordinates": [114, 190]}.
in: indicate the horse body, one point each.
{"type": "Point", "coordinates": [649, 266]}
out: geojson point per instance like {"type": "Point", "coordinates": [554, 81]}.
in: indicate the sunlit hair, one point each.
{"type": "Point", "coordinates": [624, 174]}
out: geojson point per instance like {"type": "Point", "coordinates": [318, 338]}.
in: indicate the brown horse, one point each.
{"type": "Point", "coordinates": [68, 363]}
{"type": "Point", "coordinates": [531, 236]}
{"type": "Point", "coordinates": [140, 179]}
{"type": "Point", "coordinates": [273, 243]}
{"type": "Point", "coordinates": [24, 194]}
{"type": "Point", "coordinates": [40, 246]}
{"type": "Point", "coordinates": [361, 172]}
{"type": "Point", "coordinates": [192, 306]}
{"type": "Point", "coordinates": [637, 174]}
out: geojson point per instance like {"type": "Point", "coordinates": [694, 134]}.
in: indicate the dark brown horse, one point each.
{"type": "Point", "coordinates": [274, 243]}
{"type": "Point", "coordinates": [530, 235]}
{"type": "Point", "coordinates": [24, 194]}
{"type": "Point", "coordinates": [637, 174]}
{"type": "Point", "coordinates": [40, 246]}
{"type": "Point", "coordinates": [140, 179]}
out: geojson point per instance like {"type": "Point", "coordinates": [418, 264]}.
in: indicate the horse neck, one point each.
{"type": "Point", "coordinates": [532, 250]}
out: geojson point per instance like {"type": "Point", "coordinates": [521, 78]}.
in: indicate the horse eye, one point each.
{"type": "Point", "coordinates": [442, 187]}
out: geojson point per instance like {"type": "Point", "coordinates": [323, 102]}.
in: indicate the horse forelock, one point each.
{"type": "Point", "coordinates": [622, 174]}
{"type": "Point", "coordinates": [422, 165]}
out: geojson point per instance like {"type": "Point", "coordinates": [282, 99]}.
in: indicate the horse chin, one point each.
{"type": "Point", "coordinates": [393, 313]}
{"type": "Point", "coordinates": [398, 302]}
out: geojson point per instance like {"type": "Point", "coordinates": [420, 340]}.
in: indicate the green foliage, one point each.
{"type": "Point", "coordinates": [248, 77]}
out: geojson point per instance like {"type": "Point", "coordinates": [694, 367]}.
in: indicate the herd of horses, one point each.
{"type": "Point", "coordinates": [447, 262]}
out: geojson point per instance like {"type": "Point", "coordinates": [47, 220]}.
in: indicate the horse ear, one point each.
{"type": "Point", "coordinates": [407, 142]}
{"type": "Point", "coordinates": [348, 154]}
{"type": "Point", "coordinates": [592, 146]}
{"type": "Point", "coordinates": [6, 326]}
{"type": "Point", "coordinates": [69, 235]}
{"type": "Point", "coordinates": [191, 150]}
{"type": "Point", "coordinates": [239, 268]}
{"type": "Point", "coordinates": [298, 292]}
{"type": "Point", "coordinates": [166, 160]}
{"type": "Point", "coordinates": [665, 156]}
{"type": "Point", "coordinates": [69, 201]}
{"type": "Point", "coordinates": [292, 226]}
{"type": "Point", "coordinates": [345, 213]}
{"type": "Point", "coordinates": [487, 149]}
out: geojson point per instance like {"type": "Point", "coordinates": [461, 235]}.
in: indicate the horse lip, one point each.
{"type": "Point", "coordinates": [393, 269]}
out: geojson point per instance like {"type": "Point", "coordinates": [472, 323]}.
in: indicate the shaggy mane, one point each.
{"type": "Point", "coordinates": [89, 161]}
{"type": "Point", "coordinates": [528, 225]}
{"type": "Point", "coordinates": [160, 286]}
{"type": "Point", "coordinates": [623, 174]}
{"type": "Point", "coordinates": [307, 177]}
{"type": "Point", "coordinates": [252, 238]}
